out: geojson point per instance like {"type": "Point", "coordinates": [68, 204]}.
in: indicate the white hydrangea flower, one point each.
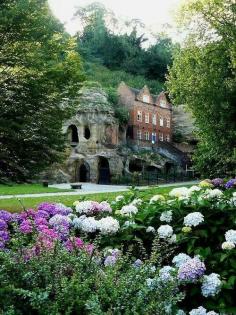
{"type": "Point", "coordinates": [198, 311]}
{"type": "Point", "coordinates": [108, 225]}
{"type": "Point", "coordinates": [212, 313]}
{"type": "Point", "coordinates": [213, 193]}
{"type": "Point", "coordinates": [165, 231]}
{"type": "Point", "coordinates": [149, 282]}
{"type": "Point", "coordinates": [180, 312]}
{"type": "Point", "coordinates": [84, 206]}
{"type": "Point", "coordinates": [150, 229]}
{"type": "Point", "coordinates": [180, 259]}
{"type": "Point", "coordinates": [119, 198]}
{"type": "Point", "coordinates": [230, 236]}
{"type": "Point", "coordinates": [156, 198]}
{"type": "Point", "coordinates": [172, 239]}
{"type": "Point", "coordinates": [179, 192]}
{"type": "Point", "coordinates": [211, 285]}
{"type": "Point", "coordinates": [166, 216]}
{"type": "Point", "coordinates": [89, 225]}
{"type": "Point", "coordinates": [136, 202]}
{"type": "Point", "coordinates": [228, 245]}
{"type": "Point", "coordinates": [193, 189]}
{"type": "Point", "coordinates": [77, 221]}
{"type": "Point", "coordinates": [128, 210]}
{"type": "Point", "coordinates": [105, 206]}
{"type": "Point", "coordinates": [193, 219]}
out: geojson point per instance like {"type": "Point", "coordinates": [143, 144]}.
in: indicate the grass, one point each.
{"type": "Point", "coordinates": [22, 189]}
{"type": "Point", "coordinates": [15, 205]}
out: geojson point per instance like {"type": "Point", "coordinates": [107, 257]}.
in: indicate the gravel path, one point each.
{"type": "Point", "coordinates": [89, 188]}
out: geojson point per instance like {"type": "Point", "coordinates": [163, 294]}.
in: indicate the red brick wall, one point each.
{"type": "Point", "coordinates": [134, 103]}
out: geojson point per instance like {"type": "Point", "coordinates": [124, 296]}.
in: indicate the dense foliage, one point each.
{"type": "Point", "coordinates": [203, 77]}
{"type": "Point", "coordinates": [120, 48]}
{"type": "Point", "coordinates": [39, 70]}
{"type": "Point", "coordinates": [131, 257]}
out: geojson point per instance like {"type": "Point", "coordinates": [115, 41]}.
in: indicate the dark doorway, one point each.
{"type": "Point", "coordinates": [103, 171]}
{"type": "Point", "coordinates": [169, 167]}
{"type": "Point", "coordinates": [136, 166]}
{"type": "Point", "coordinates": [73, 132]}
{"type": "Point", "coordinates": [84, 174]}
{"type": "Point", "coordinates": [87, 133]}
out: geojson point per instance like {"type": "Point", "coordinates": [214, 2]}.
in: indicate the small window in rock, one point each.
{"type": "Point", "coordinates": [87, 133]}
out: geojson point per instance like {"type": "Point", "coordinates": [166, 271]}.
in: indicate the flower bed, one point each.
{"type": "Point", "coordinates": [172, 254]}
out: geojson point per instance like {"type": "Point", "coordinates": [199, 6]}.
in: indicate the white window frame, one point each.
{"type": "Point", "coordinates": [161, 122]}
{"type": "Point", "coordinates": [146, 99]}
{"type": "Point", "coordinates": [168, 122]}
{"type": "Point", "coordinates": [154, 119]}
{"type": "Point", "coordinates": [146, 135]}
{"type": "Point", "coordinates": [146, 118]}
{"type": "Point", "coordinates": [154, 137]}
{"type": "Point", "coordinates": [139, 115]}
{"type": "Point", "coordinates": [161, 136]}
{"type": "Point", "coordinates": [139, 134]}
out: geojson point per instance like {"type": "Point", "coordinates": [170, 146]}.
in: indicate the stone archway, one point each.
{"type": "Point", "coordinates": [104, 176]}
{"type": "Point", "coordinates": [84, 172]}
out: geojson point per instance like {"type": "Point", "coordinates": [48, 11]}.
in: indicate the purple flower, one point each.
{"type": "Point", "coordinates": [26, 227]}
{"type": "Point", "coordinates": [191, 270]}
{"type": "Point", "coordinates": [54, 208]}
{"type": "Point", "coordinates": [231, 183]}
{"type": "Point", "coordinates": [4, 236]}
{"type": "Point", "coordinates": [110, 260]}
{"type": "Point", "coordinates": [3, 225]}
{"type": "Point", "coordinates": [42, 214]}
{"type": "Point", "coordinates": [217, 182]}
{"type": "Point", "coordinates": [5, 216]}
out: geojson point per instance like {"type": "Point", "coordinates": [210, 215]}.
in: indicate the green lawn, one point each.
{"type": "Point", "coordinates": [15, 205]}
{"type": "Point", "coordinates": [21, 189]}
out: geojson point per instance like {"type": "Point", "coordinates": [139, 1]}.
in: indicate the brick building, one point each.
{"type": "Point", "coordinates": [150, 119]}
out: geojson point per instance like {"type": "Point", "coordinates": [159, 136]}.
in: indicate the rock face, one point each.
{"type": "Point", "coordinates": [93, 135]}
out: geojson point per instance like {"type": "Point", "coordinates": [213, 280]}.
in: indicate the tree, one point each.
{"type": "Point", "coordinates": [203, 77]}
{"type": "Point", "coordinates": [101, 43]}
{"type": "Point", "coordinates": [39, 71]}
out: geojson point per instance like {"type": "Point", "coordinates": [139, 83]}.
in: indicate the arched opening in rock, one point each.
{"type": "Point", "coordinates": [84, 172]}
{"type": "Point", "coordinates": [104, 176]}
{"type": "Point", "coordinates": [87, 133]}
{"type": "Point", "coordinates": [136, 166]}
{"type": "Point", "coordinates": [73, 134]}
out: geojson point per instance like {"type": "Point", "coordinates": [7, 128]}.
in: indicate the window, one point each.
{"type": "Point", "coordinates": [154, 137]}
{"type": "Point", "coordinates": [139, 116]}
{"type": "Point", "coordinates": [146, 135]}
{"type": "Point", "coordinates": [146, 99]}
{"type": "Point", "coordinates": [161, 137]}
{"type": "Point", "coordinates": [168, 122]}
{"type": "Point", "coordinates": [161, 121]}
{"type": "Point", "coordinates": [146, 118]}
{"type": "Point", "coordinates": [163, 103]}
{"type": "Point", "coordinates": [139, 134]}
{"type": "Point", "coordinates": [154, 119]}
{"type": "Point", "coordinates": [168, 138]}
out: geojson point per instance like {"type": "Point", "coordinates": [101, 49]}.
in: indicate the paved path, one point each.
{"type": "Point", "coordinates": [88, 188]}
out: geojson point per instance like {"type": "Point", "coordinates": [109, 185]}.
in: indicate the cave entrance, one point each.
{"type": "Point", "coordinates": [84, 173]}
{"type": "Point", "coordinates": [104, 176]}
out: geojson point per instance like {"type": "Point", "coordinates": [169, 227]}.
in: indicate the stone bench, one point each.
{"type": "Point", "coordinates": [76, 186]}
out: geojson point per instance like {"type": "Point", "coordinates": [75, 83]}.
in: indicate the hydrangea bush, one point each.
{"type": "Point", "coordinates": [171, 254]}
